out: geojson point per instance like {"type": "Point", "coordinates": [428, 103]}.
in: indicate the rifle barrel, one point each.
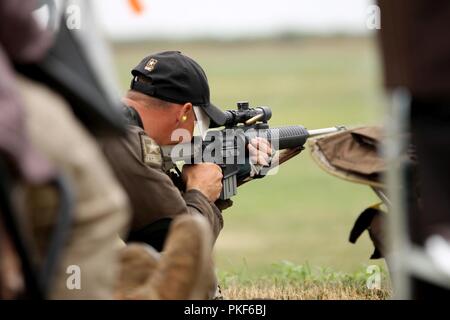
{"type": "Point", "coordinates": [318, 132]}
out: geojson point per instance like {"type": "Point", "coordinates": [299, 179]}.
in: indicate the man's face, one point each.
{"type": "Point", "coordinates": [168, 124]}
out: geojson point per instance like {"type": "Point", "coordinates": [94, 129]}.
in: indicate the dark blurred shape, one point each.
{"type": "Point", "coordinates": [372, 220]}
{"type": "Point", "coordinates": [71, 68]}
{"type": "Point", "coordinates": [415, 45]}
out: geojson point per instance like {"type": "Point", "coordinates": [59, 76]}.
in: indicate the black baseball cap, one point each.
{"type": "Point", "coordinates": [176, 78]}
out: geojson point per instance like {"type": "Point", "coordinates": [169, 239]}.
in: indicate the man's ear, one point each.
{"type": "Point", "coordinates": [185, 112]}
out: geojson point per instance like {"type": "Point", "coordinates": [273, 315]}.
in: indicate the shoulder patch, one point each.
{"type": "Point", "coordinates": [151, 152]}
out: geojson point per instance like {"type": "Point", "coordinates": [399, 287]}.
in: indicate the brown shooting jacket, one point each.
{"type": "Point", "coordinates": [137, 162]}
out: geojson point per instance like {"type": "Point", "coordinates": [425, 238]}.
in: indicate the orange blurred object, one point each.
{"type": "Point", "coordinates": [136, 5]}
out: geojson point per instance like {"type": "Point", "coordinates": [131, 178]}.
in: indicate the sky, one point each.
{"type": "Point", "coordinates": [230, 18]}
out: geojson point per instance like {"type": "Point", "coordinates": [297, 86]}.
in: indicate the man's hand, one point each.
{"type": "Point", "coordinates": [260, 151]}
{"type": "Point", "coordinates": [204, 177]}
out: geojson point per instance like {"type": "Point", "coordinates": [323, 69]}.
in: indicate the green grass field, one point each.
{"type": "Point", "coordinates": [301, 215]}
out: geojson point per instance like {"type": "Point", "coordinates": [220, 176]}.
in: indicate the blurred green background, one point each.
{"type": "Point", "coordinates": [301, 214]}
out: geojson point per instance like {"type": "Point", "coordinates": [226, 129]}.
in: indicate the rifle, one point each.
{"type": "Point", "coordinates": [228, 147]}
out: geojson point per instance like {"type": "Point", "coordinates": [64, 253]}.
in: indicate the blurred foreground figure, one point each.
{"type": "Point", "coordinates": [415, 46]}
{"type": "Point", "coordinates": [100, 212]}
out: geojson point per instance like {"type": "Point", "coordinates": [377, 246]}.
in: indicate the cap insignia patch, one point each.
{"type": "Point", "coordinates": [151, 65]}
